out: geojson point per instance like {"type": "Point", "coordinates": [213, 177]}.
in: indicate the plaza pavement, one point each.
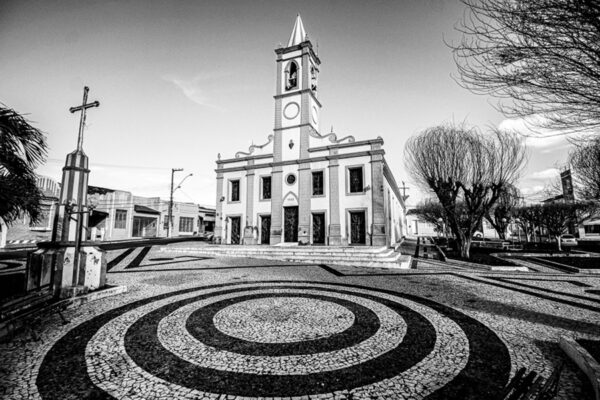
{"type": "Point", "coordinates": [194, 327]}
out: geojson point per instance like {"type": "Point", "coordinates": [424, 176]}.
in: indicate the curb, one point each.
{"type": "Point", "coordinates": [584, 361]}
{"type": "Point", "coordinates": [12, 325]}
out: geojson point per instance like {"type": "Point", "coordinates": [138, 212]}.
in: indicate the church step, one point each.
{"type": "Point", "coordinates": [395, 261]}
{"type": "Point", "coordinates": [380, 251]}
{"type": "Point", "coordinates": [387, 256]}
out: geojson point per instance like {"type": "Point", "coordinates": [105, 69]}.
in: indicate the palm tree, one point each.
{"type": "Point", "coordinates": [22, 149]}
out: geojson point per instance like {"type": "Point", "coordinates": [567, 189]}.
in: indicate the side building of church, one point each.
{"type": "Point", "coordinates": [302, 186]}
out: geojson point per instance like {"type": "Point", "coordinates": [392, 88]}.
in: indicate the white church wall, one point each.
{"type": "Point", "coordinates": [396, 210]}
{"type": "Point", "coordinates": [260, 206]}
{"type": "Point", "coordinates": [287, 188]}
{"type": "Point", "coordinates": [237, 208]}
{"type": "Point", "coordinates": [235, 164]}
{"type": "Point", "coordinates": [354, 149]}
{"type": "Point", "coordinates": [287, 153]}
{"type": "Point", "coordinates": [354, 201]}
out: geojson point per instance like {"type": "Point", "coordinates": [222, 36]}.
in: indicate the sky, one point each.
{"type": "Point", "coordinates": [181, 81]}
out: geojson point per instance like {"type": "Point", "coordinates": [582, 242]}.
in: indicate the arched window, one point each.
{"type": "Point", "coordinates": [291, 76]}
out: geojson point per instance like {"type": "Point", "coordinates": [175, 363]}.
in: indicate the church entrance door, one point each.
{"type": "Point", "coordinates": [235, 229]}
{"type": "Point", "coordinates": [265, 229]}
{"type": "Point", "coordinates": [318, 226]}
{"type": "Point", "coordinates": [357, 227]}
{"type": "Point", "coordinates": [290, 224]}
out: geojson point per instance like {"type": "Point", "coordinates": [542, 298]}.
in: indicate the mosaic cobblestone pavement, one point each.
{"type": "Point", "coordinates": [202, 328]}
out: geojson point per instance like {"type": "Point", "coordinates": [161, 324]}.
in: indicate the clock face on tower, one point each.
{"type": "Point", "coordinates": [315, 115]}
{"type": "Point", "coordinates": [291, 110]}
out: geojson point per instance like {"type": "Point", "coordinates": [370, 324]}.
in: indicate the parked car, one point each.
{"type": "Point", "coordinates": [568, 240]}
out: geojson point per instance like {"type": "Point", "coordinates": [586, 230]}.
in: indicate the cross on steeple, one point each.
{"type": "Point", "coordinates": [83, 107]}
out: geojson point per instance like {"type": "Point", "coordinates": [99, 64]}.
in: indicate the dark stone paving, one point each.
{"type": "Point", "coordinates": [429, 333]}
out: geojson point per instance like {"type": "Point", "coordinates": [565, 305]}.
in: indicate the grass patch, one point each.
{"type": "Point", "coordinates": [482, 256]}
{"type": "Point", "coordinates": [577, 262]}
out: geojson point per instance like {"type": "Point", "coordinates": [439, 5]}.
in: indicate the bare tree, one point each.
{"type": "Point", "coordinates": [529, 219]}
{"type": "Point", "coordinates": [585, 161]}
{"type": "Point", "coordinates": [431, 211]}
{"type": "Point", "coordinates": [502, 213]}
{"type": "Point", "coordinates": [558, 216]}
{"type": "Point", "coordinates": [466, 170]}
{"type": "Point", "coordinates": [543, 55]}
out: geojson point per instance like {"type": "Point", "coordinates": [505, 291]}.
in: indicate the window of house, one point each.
{"type": "Point", "coordinates": [317, 183]}
{"type": "Point", "coordinates": [592, 229]}
{"type": "Point", "coordinates": [235, 191]}
{"type": "Point", "coordinates": [356, 179]}
{"type": "Point", "coordinates": [266, 187]}
{"type": "Point", "coordinates": [120, 219]}
{"type": "Point", "coordinates": [186, 224]}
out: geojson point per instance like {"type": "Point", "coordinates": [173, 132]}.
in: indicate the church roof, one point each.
{"type": "Point", "coordinates": [298, 33]}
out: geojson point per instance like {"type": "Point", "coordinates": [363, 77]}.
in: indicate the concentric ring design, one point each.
{"type": "Point", "coordinates": [174, 337]}
{"type": "Point", "coordinates": [187, 344]}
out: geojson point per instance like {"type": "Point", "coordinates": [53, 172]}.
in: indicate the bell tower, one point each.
{"type": "Point", "coordinates": [296, 102]}
{"type": "Point", "coordinates": [297, 111]}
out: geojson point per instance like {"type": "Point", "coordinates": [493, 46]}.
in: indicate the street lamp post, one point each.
{"type": "Point", "coordinates": [443, 223]}
{"type": "Point", "coordinates": [170, 217]}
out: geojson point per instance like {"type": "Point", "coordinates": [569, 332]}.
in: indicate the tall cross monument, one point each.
{"type": "Point", "coordinates": [73, 192]}
{"type": "Point", "coordinates": [79, 268]}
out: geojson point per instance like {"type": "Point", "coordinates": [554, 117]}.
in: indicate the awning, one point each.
{"type": "Point", "coordinates": [96, 217]}
{"type": "Point", "coordinates": [145, 210]}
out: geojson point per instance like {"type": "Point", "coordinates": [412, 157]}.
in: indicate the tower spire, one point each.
{"type": "Point", "coordinates": [298, 33]}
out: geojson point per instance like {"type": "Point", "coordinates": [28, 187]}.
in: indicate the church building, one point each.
{"type": "Point", "coordinates": [302, 186]}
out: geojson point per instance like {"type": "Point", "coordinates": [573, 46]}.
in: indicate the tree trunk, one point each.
{"type": "Point", "coordinates": [558, 242]}
{"type": "Point", "coordinates": [464, 246]}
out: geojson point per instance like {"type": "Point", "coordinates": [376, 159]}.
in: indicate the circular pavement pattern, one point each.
{"type": "Point", "coordinates": [277, 339]}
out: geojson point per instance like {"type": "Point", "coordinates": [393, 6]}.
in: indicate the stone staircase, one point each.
{"type": "Point", "coordinates": [379, 257]}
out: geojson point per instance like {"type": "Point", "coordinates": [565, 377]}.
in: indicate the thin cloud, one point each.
{"type": "Point", "coordinates": [544, 141]}
{"type": "Point", "coordinates": [545, 174]}
{"type": "Point", "coordinates": [196, 89]}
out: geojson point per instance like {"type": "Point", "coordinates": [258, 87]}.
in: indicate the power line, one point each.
{"type": "Point", "coordinates": [117, 165]}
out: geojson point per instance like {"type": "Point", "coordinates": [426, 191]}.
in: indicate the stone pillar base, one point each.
{"type": "Point", "coordinates": [249, 238]}
{"type": "Point", "coordinates": [304, 235]}
{"type": "Point", "coordinates": [379, 237]}
{"type": "Point", "coordinates": [335, 237]}
{"type": "Point", "coordinates": [92, 270]}
{"type": "Point", "coordinates": [275, 238]}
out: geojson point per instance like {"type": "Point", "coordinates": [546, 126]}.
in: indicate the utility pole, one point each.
{"type": "Point", "coordinates": [170, 217]}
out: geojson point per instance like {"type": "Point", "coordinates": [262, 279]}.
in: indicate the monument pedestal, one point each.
{"type": "Point", "coordinates": [53, 264]}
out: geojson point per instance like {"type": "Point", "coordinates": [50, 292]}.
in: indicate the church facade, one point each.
{"type": "Point", "coordinates": [302, 186]}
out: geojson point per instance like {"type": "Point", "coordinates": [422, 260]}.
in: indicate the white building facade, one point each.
{"type": "Point", "coordinates": [302, 186]}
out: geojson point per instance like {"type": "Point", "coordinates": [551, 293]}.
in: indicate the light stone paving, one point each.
{"type": "Point", "coordinates": [283, 320]}
{"type": "Point", "coordinates": [528, 324]}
